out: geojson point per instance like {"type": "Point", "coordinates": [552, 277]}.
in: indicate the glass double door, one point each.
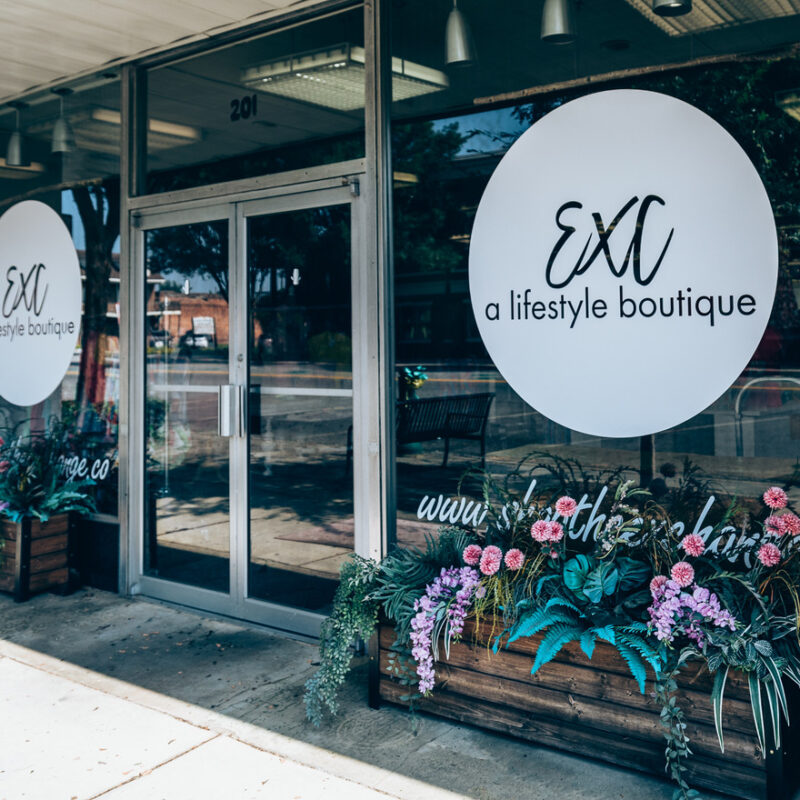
{"type": "Point", "coordinates": [247, 478]}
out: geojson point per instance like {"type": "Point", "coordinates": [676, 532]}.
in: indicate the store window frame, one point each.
{"type": "Point", "coordinates": [374, 410]}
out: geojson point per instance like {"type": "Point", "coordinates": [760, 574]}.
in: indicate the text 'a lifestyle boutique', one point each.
{"type": "Point", "coordinates": [276, 277]}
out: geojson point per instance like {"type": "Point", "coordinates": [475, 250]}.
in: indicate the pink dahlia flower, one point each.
{"type": "Point", "coordinates": [491, 559]}
{"type": "Point", "coordinates": [657, 584]}
{"type": "Point", "coordinates": [472, 554]}
{"type": "Point", "coordinates": [540, 530]}
{"type": "Point", "coordinates": [775, 497]}
{"type": "Point", "coordinates": [515, 559]}
{"type": "Point", "coordinates": [791, 524]}
{"type": "Point", "coordinates": [683, 574]}
{"type": "Point", "coordinates": [769, 555]}
{"type": "Point", "coordinates": [693, 544]}
{"type": "Point", "coordinates": [775, 524]}
{"type": "Point", "coordinates": [566, 506]}
{"type": "Point", "coordinates": [554, 554]}
{"type": "Point", "coordinates": [555, 532]}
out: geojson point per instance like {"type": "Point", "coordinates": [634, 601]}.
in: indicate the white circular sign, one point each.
{"type": "Point", "coordinates": [623, 263]}
{"type": "Point", "coordinates": [40, 302]}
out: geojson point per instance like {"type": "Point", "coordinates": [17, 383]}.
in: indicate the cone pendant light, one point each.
{"type": "Point", "coordinates": [459, 46]}
{"type": "Point", "coordinates": [558, 26]}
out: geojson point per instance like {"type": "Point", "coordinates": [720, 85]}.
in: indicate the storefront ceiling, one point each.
{"type": "Point", "coordinates": [41, 44]}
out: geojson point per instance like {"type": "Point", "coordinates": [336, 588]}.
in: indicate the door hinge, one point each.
{"type": "Point", "coordinates": [355, 187]}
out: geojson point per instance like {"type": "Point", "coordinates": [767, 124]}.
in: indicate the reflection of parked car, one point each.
{"type": "Point", "coordinates": [198, 340]}
{"type": "Point", "coordinates": [158, 339]}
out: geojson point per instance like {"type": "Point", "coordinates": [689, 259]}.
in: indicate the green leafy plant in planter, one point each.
{"type": "Point", "coordinates": [36, 498]}
{"type": "Point", "coordinates": [670, 602]}
{"type": "Point", "coordinates": [32, 480]}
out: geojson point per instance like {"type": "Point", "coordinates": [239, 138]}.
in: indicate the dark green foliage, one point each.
{"type": "Point", "coordinates": [354, 618]}
{"type": "Point", "coordinates": [32, 482]}
{"type": "Point", "coordinates": [406, 572]}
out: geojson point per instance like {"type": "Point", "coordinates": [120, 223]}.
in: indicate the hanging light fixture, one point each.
{"type": "Point", "coordinates": [459, 48]}
{"type": "Point", "coordinates": [672, 8]}
{"type": "Point", "coordinates": [63, 135]}
{"type": "Point", "coordinates": [558, 26]}
{"type": "Point", "coordinates": [16, 155]}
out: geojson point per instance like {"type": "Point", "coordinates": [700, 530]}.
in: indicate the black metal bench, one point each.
{"type": "Point", "coordinates": [461, 416]}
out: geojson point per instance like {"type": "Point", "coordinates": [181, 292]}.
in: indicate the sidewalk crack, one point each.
{"type": "Point", "coordinates": [154, 768]}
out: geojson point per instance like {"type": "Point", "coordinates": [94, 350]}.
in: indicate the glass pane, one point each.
{"type": "Point", "coordinates": [187, 534]}
{"type": "Point", "coordinates": [301, 408]}
{"type": "Point", "coordinates": [290, 99]}
{"type": "Point", "coordinates": [748, 438]}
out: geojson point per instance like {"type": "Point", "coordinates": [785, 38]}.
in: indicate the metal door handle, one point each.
{"type": "Point", "coordinates": [226, 406]}
{"type": "Point", "coordinates": [242, 411]}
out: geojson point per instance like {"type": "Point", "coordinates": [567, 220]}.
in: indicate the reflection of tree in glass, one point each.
{"type": "Point", "coordinates": [299, 283]}
{"type": "Point", "coordinates": [99, 209]}
{"type": "Point", "coordinates": [200, 249]}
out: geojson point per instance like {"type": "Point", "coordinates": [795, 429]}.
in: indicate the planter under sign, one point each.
{"type": "Point", "coordinates": [594, 709]}
{"type": "Point", "coordinates": [34, 556]}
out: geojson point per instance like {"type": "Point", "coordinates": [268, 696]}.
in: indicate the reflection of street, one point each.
{"type": "Point", "coordinates": [301, 512]}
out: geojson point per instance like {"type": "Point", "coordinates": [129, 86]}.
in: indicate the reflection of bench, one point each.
{"type": "Point", "coordinates": [462, 416]}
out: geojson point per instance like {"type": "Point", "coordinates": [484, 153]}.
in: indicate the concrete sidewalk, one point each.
{"type": "Point", "coordinates": [71, 733]}
{"type": "Point", "coordinates": [102, 696]}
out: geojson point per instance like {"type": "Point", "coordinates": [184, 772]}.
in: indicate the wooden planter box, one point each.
{"type": "Point", "coordinates": [34, 556]}
{"type": "Point", "coordinates": [594, 709]}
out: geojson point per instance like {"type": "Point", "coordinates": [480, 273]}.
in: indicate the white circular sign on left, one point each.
{"type": "Point", "coordinates": [40, 302]}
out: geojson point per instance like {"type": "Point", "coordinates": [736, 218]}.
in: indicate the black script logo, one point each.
{"type": "Point", "coordinates": [604, 234]}
{"type": "Point", "coordinates": [24, 289]}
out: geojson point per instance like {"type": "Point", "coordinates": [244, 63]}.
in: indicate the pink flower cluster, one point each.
{"type": "Point", "coordinates": [769, 554]}
{"type": "Point", "coordinates": [783, 524]}
{"type": "Point", "coordinates": [693, 545]}
{"type": "Point", "coordinates": [683, 574]}
{"type": "Point", "coordinates": [566, 507]}
{"type": "Point", "coordinates": [490, 559]}
{"type": "Point", "coordinates": [775, 497]}
{"type": "Point", "coordinates": [547, 531]}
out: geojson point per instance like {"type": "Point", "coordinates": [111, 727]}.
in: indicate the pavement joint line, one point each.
{"type": "Point", "coordinates": [385, 781]}
{"type": "Point", "coordinates": [152, 769]}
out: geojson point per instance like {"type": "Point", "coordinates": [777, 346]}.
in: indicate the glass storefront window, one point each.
{"type": "Point", "coordinates": [446, 146]}
{"type": "Point", "coordinates": [290, 99]}
{"type": "Point", "coordinates": [70, 161]}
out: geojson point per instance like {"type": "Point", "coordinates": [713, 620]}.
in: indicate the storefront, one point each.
{"type": "Point", "coordinates": [273, 226]}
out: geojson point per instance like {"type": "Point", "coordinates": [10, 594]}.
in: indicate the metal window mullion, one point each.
{"type": "Point", "coordinates": [131, 335]}
{"type": "Point", "coordinates": [377, 447]}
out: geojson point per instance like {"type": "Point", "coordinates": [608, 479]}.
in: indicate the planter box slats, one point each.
{"type": "Point", "coordinates": [589, 707]}
{"type": "Point", "coordinates": [608, 658]}
{"type": "Point", "coordinates": [34, 556]}
{"type": "Point", "coordinates": [588, 692]}
{"type": "Point", "coordinates": [622, 750]}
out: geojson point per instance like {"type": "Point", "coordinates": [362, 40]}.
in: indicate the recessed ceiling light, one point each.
{"type": "Point", "coordinates": [334, 78]}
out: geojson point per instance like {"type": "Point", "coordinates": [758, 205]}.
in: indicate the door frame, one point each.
{"type": "Point", "coordinates": [236, 201]}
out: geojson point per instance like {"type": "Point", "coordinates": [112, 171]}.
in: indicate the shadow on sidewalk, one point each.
{"type": "Point", "coordinates": [257, 677]}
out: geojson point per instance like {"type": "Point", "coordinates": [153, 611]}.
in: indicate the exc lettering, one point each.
{"type": "Point", "coordinates": [602, 246]}
{"type": "Point", "coordinates": [25, 289]}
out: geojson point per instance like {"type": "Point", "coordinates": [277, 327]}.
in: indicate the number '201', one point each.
{"type": "Point", "coordinates": [244, 107]}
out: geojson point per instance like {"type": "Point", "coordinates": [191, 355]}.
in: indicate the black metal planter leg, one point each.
{"type": "Point", "coordinates": [22, 577]}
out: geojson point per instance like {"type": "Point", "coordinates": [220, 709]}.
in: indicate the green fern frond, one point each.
{"type": "Point", "coordinates": [552, 642]}
{"type": "Point", "coordinates": [635, 664]}
{"type": "Point", "coordinates": [587, 643]}
{"type": "Point", "coordinates": [533, 623]}
{"type": "Point", "coordinates": [644, 648]}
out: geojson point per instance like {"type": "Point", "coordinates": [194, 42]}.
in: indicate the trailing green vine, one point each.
{"type": "Point", "coordinates": [354, 618]}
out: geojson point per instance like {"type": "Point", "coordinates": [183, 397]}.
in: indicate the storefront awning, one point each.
{"type": "Point", "coordinates": [41, 45]}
